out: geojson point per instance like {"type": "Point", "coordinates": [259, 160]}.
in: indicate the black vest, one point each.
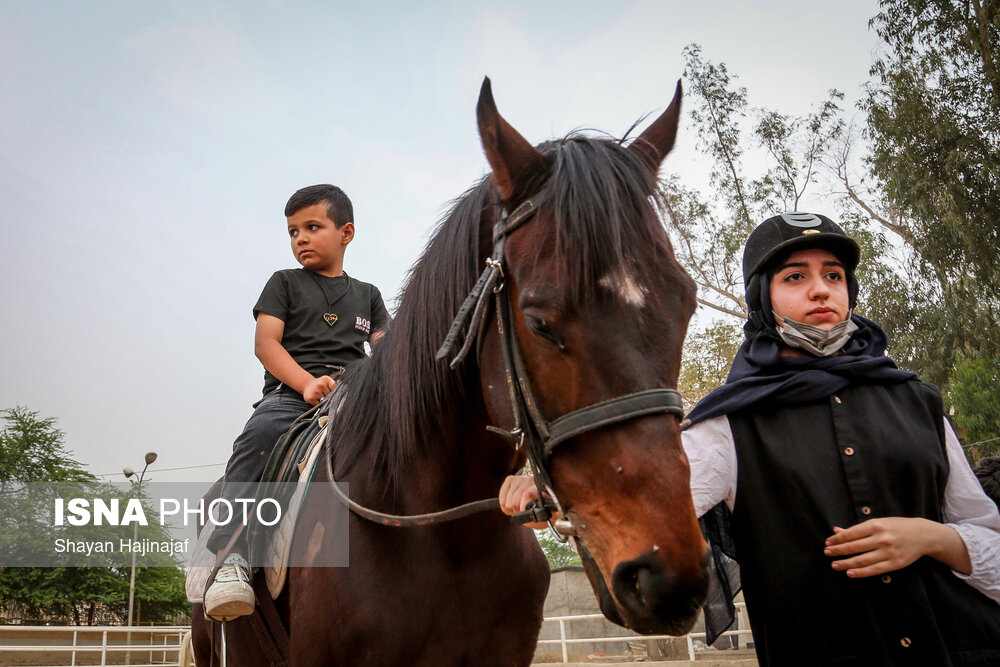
{"type": "Point", "coordinates": [869, 451]}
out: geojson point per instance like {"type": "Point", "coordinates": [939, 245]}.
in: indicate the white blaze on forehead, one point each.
{"type": "Point", "coordinates": [625, 287]}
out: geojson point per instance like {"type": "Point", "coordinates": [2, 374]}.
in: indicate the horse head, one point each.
{"type": "Point", "coordinates": [598, 309]}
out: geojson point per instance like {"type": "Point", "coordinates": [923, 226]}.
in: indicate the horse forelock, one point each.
{"type": "Point", "coordinates": [601, 203]}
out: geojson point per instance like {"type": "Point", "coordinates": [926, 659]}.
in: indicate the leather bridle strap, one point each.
{"type": "Point", "coordinates": [612, 411]}
{"type": "Point", "coordinates": [531, 431]}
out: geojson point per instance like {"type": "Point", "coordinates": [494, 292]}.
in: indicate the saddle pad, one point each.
{"type": "Point", "coordinates": [202, 562]}
{"type": "Point", "coordinates": [278, 546]}
{"type": "Point", "coordinates": [280, 543]}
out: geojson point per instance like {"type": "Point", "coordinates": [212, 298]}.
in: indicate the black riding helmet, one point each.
{"type": "Point", "coordinates": [781, 235]}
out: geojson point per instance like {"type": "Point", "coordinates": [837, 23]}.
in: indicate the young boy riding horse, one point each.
{"type": "Point", "coordinates": [309, 320]}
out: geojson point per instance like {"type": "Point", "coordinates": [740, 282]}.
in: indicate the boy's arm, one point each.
{"type": "Point", "coordinates": [268, 348]}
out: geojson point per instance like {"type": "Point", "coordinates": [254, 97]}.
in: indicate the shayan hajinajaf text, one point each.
{"type": "Point", "coordinates": [138, 547]}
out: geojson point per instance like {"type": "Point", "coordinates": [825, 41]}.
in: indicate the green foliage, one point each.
{"type": "Point", "coordinates": [32, 451]}
{"type": "Point", "coordinates": [706, 360]}
{"type": "Point", "coordinates": [559, 554]}
{"type": "Point", "coordinates": [934, 124]}
{"type": "Point", "coordinates": [974, 389]}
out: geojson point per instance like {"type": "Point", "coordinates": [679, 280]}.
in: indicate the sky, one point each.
{"type": "Point", "coordinates": [147, 151]}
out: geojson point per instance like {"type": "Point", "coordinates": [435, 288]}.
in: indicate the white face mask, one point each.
{"type": "Point", "coordinates": [813, 339]}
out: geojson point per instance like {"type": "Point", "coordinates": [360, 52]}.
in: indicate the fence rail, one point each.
{"type": "Point", "coordinates": [48, 645]}
{"type": "Point", "coordinates": [161, 646]}
{"type": "Point", "coordinates": [743, 630]}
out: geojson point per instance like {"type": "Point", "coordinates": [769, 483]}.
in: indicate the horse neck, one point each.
{"type": "Point", "coordinates": [450, 461]}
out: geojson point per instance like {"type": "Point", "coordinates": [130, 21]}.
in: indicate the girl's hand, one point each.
{"type": "Point", "coordinates": [887, 544]}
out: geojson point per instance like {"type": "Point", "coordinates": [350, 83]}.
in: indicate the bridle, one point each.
{"type": "Point", "coordinates": [531, 431]}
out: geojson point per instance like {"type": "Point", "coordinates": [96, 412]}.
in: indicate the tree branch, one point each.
{"type": "Point", "coordinates": [722, 309]}
{"type": "Point", "coordinates": [748, 220]}
{"type": "Point", "coordinates": [985, 50]}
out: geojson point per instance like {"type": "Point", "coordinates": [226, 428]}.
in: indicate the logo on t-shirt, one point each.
{"type": "Point", "coordinates": [361, 324]}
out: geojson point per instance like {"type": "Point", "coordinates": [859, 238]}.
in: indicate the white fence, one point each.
{"type": "Point", "coordinates": [742, 630]}
{"type": "Point", "coordinates": [69, 646]}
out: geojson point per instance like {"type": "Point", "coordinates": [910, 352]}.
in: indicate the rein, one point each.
{"type": "Point", "coordinates": [409, 520]}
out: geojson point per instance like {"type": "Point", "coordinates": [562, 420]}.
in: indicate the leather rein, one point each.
{"type": "Point", "coordinates": [531, 431]}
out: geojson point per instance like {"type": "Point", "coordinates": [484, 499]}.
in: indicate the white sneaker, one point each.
{"type": "Point", "coordinates": [231, 594]}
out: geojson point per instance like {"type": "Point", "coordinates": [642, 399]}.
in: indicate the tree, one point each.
{"type": "Point", "coordinates": [711, 230]}
{"type": "Point", "coordinates": [933, 107]}
{"type": "Point", "coordinates": [973, 385]}
{"type": "Point", "coordinates": [33, 454]}
{"type": "Point", "coordinates": [707, 357]}
{"type": "Point", "coordinates": [32, 449]}
{"type": "Point", "coordinates": [559, 554]}
{"type": "Point", "coordinates": [924, 207]}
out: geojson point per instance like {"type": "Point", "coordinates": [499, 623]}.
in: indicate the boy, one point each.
{"type": "Point", "coordinates": [308, 320]}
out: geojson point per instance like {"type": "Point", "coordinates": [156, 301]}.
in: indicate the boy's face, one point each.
{"type": "Point", "coordinates": [316, 242]}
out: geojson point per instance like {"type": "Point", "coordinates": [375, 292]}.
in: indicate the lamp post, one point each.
{"type": "Point", "coordinates": [150, 457]}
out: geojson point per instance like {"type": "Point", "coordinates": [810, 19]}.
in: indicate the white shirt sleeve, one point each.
{"type": "Point", "coordinates": [970, 511]}
{"type": "Point", "coordinates": [711, 453]}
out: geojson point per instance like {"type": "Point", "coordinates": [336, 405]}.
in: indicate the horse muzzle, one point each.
{"type": "Point", "coordinates": [653, 599]}
{"type": "Point", "coordinates": [648, 596]}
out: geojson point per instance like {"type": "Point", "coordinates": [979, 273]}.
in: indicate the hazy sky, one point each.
{"type": "Point", "coordinates": [147, 151]}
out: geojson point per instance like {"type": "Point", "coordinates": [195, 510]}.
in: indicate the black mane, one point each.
{"type": "Point", "coordinates": [598, 198]}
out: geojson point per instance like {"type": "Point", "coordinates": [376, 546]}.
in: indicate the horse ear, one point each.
{"type": "Point", "coordinates": [654, 144]}
{"type": "Point", "coordinates": [514, 161]}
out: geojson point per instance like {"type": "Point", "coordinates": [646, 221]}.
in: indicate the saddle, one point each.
{"type": "Point", "coordinates": [285, 479]}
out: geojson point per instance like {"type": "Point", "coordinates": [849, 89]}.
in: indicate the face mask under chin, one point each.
{"type": "Point", "coordinates": [813, 339]}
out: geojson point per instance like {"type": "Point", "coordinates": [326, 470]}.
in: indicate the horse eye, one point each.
{"type": "Point", "coordinates": [541, 329]}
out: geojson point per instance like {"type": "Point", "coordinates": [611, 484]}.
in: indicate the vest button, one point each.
{"type": "Point", "coordinates": [866, 510]}
{"type": "Point", "coordinates": [905, 642]}
{"type": "Point", "coordinates": [849, 451]}
{"type": "Point", "coordinates": [886, 578]}
{"type": "Point", "coordinates": [837, 399]}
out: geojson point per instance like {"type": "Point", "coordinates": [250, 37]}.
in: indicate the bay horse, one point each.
{"type": "Point", "coordinates": [597, 308]}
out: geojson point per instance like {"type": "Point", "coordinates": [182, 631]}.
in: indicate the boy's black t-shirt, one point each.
{"type": "Point", "coordinates": [327, 320]}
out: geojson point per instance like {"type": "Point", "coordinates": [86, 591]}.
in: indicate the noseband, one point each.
{"type": "Point", "coordinates": [532, 432]}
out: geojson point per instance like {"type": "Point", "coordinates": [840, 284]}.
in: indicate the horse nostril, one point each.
{"type": "Point", "coordinates": [654, 597]}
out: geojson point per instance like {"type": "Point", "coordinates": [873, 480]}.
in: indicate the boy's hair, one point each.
{"type": "Point", "coordinates": [339, 208]}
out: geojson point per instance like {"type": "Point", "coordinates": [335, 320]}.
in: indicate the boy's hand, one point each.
{"type": "Point", "coordinates": [317, 388]}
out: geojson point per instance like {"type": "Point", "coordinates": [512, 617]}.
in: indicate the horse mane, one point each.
{"type": "Point", "coordinates": [599, 200]}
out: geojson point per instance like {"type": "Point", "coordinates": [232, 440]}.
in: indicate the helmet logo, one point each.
{"type": "Point", "coordinates": [797, 219]}
{"type": "Point", "coordinates": [810, 231]}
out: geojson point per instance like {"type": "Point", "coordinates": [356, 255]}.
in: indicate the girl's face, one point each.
{"type": "Point", "coordinates": [810, 287]}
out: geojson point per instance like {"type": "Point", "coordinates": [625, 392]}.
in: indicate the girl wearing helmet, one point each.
{"type": "Point", "coordinates": [835, 481]}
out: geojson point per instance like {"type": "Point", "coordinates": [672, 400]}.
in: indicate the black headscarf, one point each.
{"type": "Point", "coordinates": [760, 372]}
